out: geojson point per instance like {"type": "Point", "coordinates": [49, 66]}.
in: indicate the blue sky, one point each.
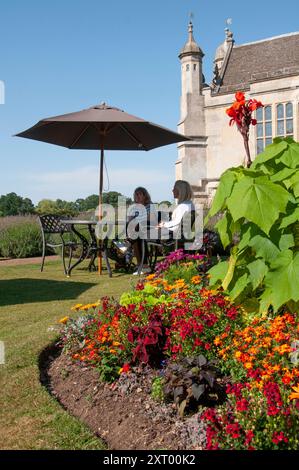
{"type": "Point", "coordinates": [65, 55]}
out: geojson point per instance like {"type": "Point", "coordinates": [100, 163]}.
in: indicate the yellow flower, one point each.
{"type": "Point", "coordinates": [248, 365]}
{"type": "Point", "coordinates": [64, 320]}
{"type": "Point", "coordinates": [295, 395]}
{"type": "Point", "coordinates": [150, 277]}
{"type": "Point", "coordinates": [76, 307]}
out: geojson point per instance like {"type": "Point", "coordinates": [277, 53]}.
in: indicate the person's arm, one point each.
{"type": "Point", "coordinates": [177, 216]}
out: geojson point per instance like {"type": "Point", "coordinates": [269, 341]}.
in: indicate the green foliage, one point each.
{"type": "Point", "coordinates": [59, 207]}
{"type": "Point", "coordinates": [184, 270]}
{"type": "Point", "coordinates": [12, 204]}
{"type": "Point", "coordinates": [21, 241]}
{"type": "Point", "coordinates": [192, 381]}
{"type": "Point", "coordinates": [147, 296]}
{"type": "Point", "coordinates": [157, 389]}
{"type": "Point", "coordinates": [260, 208]}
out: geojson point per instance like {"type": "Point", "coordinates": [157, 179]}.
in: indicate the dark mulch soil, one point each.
{"type": "Point", "coordinates": [123, 414]}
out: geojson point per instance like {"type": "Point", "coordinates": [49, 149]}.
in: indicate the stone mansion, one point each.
{"type": "Point", "coordinates": [267, 70]}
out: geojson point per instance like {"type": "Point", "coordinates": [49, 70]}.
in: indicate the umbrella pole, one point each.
{"type": "Point", "coordinates": [100, 202]}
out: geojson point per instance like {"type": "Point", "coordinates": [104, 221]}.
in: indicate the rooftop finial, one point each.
{"type": "Point", "coordinates": [190, 26]}
{"type": "Point", "coordinates": [228, 33]}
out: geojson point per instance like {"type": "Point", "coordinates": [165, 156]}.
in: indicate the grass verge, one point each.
{"type": "Point", "coordinates": [31, 303]}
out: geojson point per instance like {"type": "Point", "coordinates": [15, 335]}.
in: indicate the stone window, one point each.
{"type": "Point", "coordinates": [284, 120]}
{"type": "Point", "coordinates": [187, 67]}
{"type": "Point", "coordinates": [263, 128]}
{"type": "Point", "coordinates": [194, 66]}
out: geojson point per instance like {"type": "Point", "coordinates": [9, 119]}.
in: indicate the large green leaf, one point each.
{"type": "Point", "coordinates": [238, 287]}
{"type": "Point", "coordinates": [282, 174]}
{"type": "Point", "coordinates": [283, 278]}
{"type": "Point", "coordinates": [286, 241]}
{"type": "Point", "coordinates": [224, 189]}
{"type": "Point", "coordinates": [264, 247]}
{"type": "Point", "coordinates": [293, 183]}
{"type": "Point", "coordinates": [218, 272]}
{"type": "Point", "coordinates": [290, 219]}
{"type": "Point", "coordinates": [271, 152]}
{"type": "Point", "coordinates": [290, 157]}
{"type": "Point", "coordinates": [223, 228]}
{"type": "Point", "coordinates": [257, 270]}
{"type": "Point", "coordinates": [258, 200]}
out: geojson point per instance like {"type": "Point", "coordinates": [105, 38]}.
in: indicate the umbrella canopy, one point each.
{"type": "Point", "coordinates": [101, 127]}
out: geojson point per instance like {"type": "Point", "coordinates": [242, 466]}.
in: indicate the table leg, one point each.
{"type": "Point", "coordinates": [84, 253]}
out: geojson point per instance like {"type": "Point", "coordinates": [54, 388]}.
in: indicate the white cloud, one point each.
{"type": "Point", "coordinates": [81, 182]}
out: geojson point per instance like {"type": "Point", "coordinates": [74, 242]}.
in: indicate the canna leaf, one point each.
{"type": "Point", "coordinates": [264, 247]}
{"type": "Point", "coordinates": [257, 269]}
{"type": "Point", "coordinates": [283, 278]}
{"type": "Point", "coordinates": [272, 151]}
{"type": "Point", "coordinates": [223, 228]}
{"type": "Point", "coordinates": [262, 201]}
{"type": "Point", "coordinates": [290, 219]}
{"type": "Point", "coordinates": [218, 272]}
{"type": "Point", "coordinates": [224, 189]}
{"type": "Point", "coordinates": [290, 157]}
{"type": "Point", "coordinates": [238, 287]}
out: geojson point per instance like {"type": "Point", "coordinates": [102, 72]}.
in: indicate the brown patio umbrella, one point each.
{"type": "Point", "coordinates": [101, 127]}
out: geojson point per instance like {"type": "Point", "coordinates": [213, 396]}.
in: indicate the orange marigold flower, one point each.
{"type": "Point", "coordinates": [294, 395]}
{"type": "Point", "coordinates": [196, 279]}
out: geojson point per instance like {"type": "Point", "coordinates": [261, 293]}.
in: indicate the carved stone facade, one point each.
{"type": "Point", "coordinates": [266, 70]}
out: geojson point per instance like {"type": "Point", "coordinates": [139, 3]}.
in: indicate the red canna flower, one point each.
{"type": "Point", "coordinates": [241, 113]}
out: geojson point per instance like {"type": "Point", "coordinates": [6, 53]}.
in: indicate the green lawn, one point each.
{"type": "Point", "coordinates": [31, 303]}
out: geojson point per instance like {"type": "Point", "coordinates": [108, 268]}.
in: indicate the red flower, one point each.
{"type": "Point", "coordinates": [240, 96]}
{"type": "Point", "coordinates": [241, 113]}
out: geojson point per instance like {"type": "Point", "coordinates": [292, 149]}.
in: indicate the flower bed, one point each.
{"type": "Point", "coordinates": [238, 371]}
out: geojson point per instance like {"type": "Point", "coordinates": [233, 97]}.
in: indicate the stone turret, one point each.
{"type": "Point", "coordinates": [191, 163]}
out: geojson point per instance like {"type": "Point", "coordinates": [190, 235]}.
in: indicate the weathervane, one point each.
{"type": "Point", "coordinates": [191, 16]}
{"type": "Point", "coordinates": [228, 21]}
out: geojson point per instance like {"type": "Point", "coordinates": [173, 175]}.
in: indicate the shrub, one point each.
{"type": "Point", "coordinates": [264, 264]}
{"type": "Point", "coordinates": [192, 381]}
{"type": "Point", "coordinates": [21, 241]}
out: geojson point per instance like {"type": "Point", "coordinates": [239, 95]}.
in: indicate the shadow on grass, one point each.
{"type": "Point", "coordinates": [22, 291]}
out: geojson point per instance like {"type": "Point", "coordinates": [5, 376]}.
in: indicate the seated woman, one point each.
{"type": "Point", "coordinates": [141, 216]}
{"type": "Point", "coordinates": [182, 191]}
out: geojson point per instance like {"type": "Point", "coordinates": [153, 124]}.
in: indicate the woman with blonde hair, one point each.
{"type": "Point", "coordinates": [182, 191]}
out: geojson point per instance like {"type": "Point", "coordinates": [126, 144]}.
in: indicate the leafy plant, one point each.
{"type": "Point", "coordinates": [263, 268]}
{"type": "Point", "coordinates": [149, 295]}
{"type": "Point", "coordinates": [192, 381]}
{"type": "Point", "coordinates": [21, 241]}
{"type": "Point", "coordinates": [157, 389]}
{"type": "Point", "coordinates": [149, 341]}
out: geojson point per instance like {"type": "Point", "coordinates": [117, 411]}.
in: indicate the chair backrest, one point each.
{"type": "Point", "coordinates": [51, 223]}
{"type": "Point", "coordinates": [187, 222]}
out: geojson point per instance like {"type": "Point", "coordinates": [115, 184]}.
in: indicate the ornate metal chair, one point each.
{"type": "Point", "coordinates": [161, 247]}
{"type": "Point", "coordinates": [51, 225]}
